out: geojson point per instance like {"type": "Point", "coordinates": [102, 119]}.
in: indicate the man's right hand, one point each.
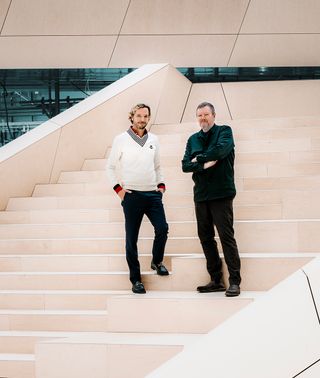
{"type": "Point", "coordinates": [122, 193]}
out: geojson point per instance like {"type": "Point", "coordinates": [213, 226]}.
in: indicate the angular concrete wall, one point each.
{"type": "Point", "coordinates": [123, 33]}
{"type": "Point", "coordinates": [87, 129]}
{"type": "Point", "coordinates": [278, 343]}
{"type": "Point", "coordinates": [247, 100]}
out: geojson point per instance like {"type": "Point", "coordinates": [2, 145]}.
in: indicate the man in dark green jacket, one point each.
{"type": "Point", "coordinates": [209, 156]}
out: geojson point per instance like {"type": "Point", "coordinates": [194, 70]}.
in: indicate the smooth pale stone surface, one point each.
{"type": "Point", "coordinates": [312, 272]}
{"type": "Point", "coordinates": [162, 17]}
{"type": "Point", "coordinates": [23, 342]}
{"type": "Point", "coordinates": [67, 361]}
{"type": "Point", "coordinates": [85, 215]}
{"type": "Point", "coordinates": [270, 235]}
{"type": "Point", "coordinates": [297, 204]}
{"type": "Point", "coordinates": [258, 272]}
{"type": "Point", "coordinates": [287, 183]}
{"type": "Point", "coordinates": [87, 51]}
{"type": "Point", "coordinates": [193, 313]}
{"type": "Point", "coordinates": [59, 263]}
{"type": "Point", "coordinates": [17, 366]}
{"type": "Point", "coordinates": [262, 333]}
{"type": "Point", "coordinates": [37, 17]}
{"type": "Point", "coordinates": [176, 49]}
{"type": "Point", "coordinates": [4, 6]}
{"type": "Point", "coordinates": [56, 320]}
{"type": "Point", "coordinates": [93, 245]}
{"type": "Point", "coordinates": [208, 92]}
{"type": "Point", "coordinates": [278, 50]}
{"type": "Point", "coordinates": [281, 17]}
{"type": "Point", "coordinates": [99, 356]}
{"type": "Point", "coordinates": [20, 167]}
{"type": "Point", "coordinates": [60, 216]}
{"type": "Point", "coordinates": [312, 371]}
{"type": "Point", "coordinates": [52, 139]}
{"type": "Point", "coordinates": [57, 299]}
{"type": "Point", "coordinates": [285, 98]}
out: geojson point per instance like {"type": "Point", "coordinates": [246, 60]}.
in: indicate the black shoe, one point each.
{"type": "Point", "coordinates": [160, 268]}
{"type": "Point", "coordinates": [233, 291]}
{"type": "Point", "coordinates": [138, 288]}
{"type": "Point", "coordinates": [211, 287]}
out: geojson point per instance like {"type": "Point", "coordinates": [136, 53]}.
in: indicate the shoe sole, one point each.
{"type": "Point", "coordinates": [160, 274]}
{"type": "Point", "coordinates": [232, 295]}
{"type": "Point", "coordinates": [139, 292]}
{"type": "Point", "coordinates": [211, 291]}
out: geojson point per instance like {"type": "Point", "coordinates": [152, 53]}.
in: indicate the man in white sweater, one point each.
{"type": "Point", "coordinates": [134, 171]}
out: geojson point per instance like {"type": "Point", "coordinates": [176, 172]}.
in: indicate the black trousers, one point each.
{"type": "Point", "coordinates": [135, 206]}
{"type": "Point", "coordinates": [218, 213]}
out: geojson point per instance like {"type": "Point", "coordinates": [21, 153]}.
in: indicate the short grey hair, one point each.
{"type": "Point", "coordinates": [204, 104]}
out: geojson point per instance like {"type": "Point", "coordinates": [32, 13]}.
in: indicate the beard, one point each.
{"type": "Point", "coordinates": [205, 126]}
{"type": "Point", "coordinates": [140, 125]}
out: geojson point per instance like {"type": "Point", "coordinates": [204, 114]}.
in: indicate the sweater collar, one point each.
{"type": "Point", "coordinates": [140, 140]}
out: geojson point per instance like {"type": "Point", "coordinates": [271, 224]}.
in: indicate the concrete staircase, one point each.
{"type": "Point", "coordinates": [65, 298]}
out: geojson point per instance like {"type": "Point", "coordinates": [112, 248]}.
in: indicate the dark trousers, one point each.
{"type": "Point", "coordinates": [135, 206]}
{"type": "Point", "coordinates": [218, 213]}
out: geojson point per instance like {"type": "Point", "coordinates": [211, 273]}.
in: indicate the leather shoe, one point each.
{"type": "Point", "coordinates": [160, 268]}
{"type": "Point", "coordinates": [138, 288]}
{"type": "Point", "coordinates": [233, 291]}
{"type": "Point", "coordinates": [212, 286]}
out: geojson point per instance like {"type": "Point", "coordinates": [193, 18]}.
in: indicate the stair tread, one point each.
{"type": "Point", "coordinates": [107, 337]}
{"type": "Point", "coordinates": [106, 224]}
{"type": "Point", "coordinates": [151, 294]}
{"type": "Point", "coordinates": [53, 312]}
{"type": "Point", "coordinates": [66, 292]}
{"type": "Point", "coordinates": [16, 357]}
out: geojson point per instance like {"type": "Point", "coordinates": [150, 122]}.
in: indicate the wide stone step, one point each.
{"type": "Point", "coordinates": [190, 312]}
{"type": "Point", "coordinates": [98, 188]}
{"type": "Point", "coordinates": [304, 143]}
{"type": "Point", "coordinates": [181, 187]}
{"type": "Point", "coordinates": [278, 127]}
{"type": "Point", "coordinates": [241, 158]}
{"type": "Point", "coordinates": [71, 202]}
{"type": "Point", "coordinates": [269, 235]}
{"type": "Point", "coordinates": [74, 263]}
{"type": "Point", "coordinates": [250, 204]}
{"type": "Point", "coordinates": [171, 173]}
{"type": "Point", "coordinates": [24, 342]}
{"type": "Point", "coordinates": [17, 365]}
{"type": "Point", "coordinates": [279, 183]}
{"type": "Point", "coordinates": [53, 320]}
{"type": "Point", "coordinates": [98, 356]}
{"type": "Point", "coordinates": [60, 216]}
{"type": "Point", "coordinates": [85, 215]}
{"type": "Point", "coordinates": [259, 272]}
{"type": "Point", "coordinates": [92, 245]}
{"type": "Point", "coordinates": [169, 146]}
{"type": "Point", "coordinates": [116, 280]}
{"type": "Point", "coordinates": [57, 299]}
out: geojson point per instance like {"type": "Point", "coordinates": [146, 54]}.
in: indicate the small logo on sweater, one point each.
{"type": "Point", "coordinates": [151, 146]}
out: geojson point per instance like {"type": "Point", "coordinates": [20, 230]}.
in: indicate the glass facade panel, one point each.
{"type": "Point", "coordinates": [29, 97]}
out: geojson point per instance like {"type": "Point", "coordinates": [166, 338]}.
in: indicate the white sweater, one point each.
{"type": "Point", "coordinates": [134, 166]}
